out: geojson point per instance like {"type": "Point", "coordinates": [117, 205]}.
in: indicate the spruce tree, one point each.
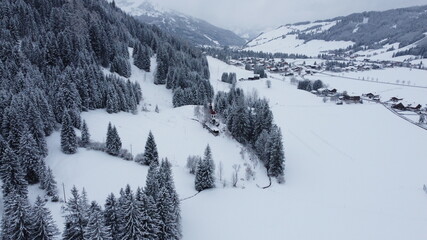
{"type": "Point", "coordinates": [111, 216]}
{"type": "Point", "coordinates": [165, 207]}
{"type": "Point", "coordinates": [150, 154]}
{"type": "Point", "coordinates": [150, 227]}
{"type": "Point", "coordinates": [49, 185]}
{"type": "Point", "coordinates": [43, 227]}
{"type": "Point", "coordinates": [152, 185]}
{"type": "Point", "coordinates": [276, 162]}
{"type": "Point", "coordinates": [96, 228]}
{"type": "Point", "coordinates": [205, 174]}
{"type": "Point", "coordinates": [85, 135]}
{"type": "Point", "coordinates": [131, 225]}
{"type": "Point", "coordinates": [113, 143]}
{"type": "Point", "coordinates": [17, 218]}
{"type": "Point", "coordinates": [168, 182]}
{"type": "Point", "coordinates": [68, 135]}
{"type": "Point", "coordinates": [75, 220]}
{"type": "Point", "coordinates": [30, 157]}
{"type": "Point", "coordinates": [12, 175]}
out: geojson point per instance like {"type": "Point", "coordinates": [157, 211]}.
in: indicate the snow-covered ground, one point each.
{"type": "Point", "coordinates": [412, 83]}
{"type": "Point", "coordinates": [352, 171]}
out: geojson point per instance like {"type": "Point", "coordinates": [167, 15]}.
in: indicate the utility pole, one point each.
{"type": "Point", "coordinates": [63, 189]}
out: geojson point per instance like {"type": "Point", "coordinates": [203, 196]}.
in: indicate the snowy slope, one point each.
{"type": "Point", "coordinates": [353, 171]}
{"type": "Point", "coordinates": [285, 39]}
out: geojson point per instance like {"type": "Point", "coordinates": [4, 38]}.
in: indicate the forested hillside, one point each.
{"type": "Point", "coordinates": [53, 59]}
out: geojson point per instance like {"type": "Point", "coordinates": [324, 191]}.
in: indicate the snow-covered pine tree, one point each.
{"type": "Point", "coordinates": [49, 185]}
{"type": "Point", "coordinates": [12, 175]}
{"type": "Point", "coordinates": [150, 228]}
{"type": "Point", "coordinates": [142, 58]}
{"type": "Point", "coordinates": [85, 135]}
{"type": "Point", "coordinates": [17, 218]}
{"type": "Point", "coordinates": [42, 225]}
{"type": "Point", "coordinates": [150, 154]}
{"type": "Point", "coordinates": [111, 216]}
{"type": "Point", "coordinates": [165, 207]}
{"type": "Point", "coordinates": [131, 216]}
{"type": "Point", "coordinates": [152, 184]}
{"type": "Point", "coordinates": [68, 135]}
{"type": "Point", "coordinates": [75, 220]}
{"type": "Point", "coordinates": [96, 228]}
{"type": "Point", "coordinates": [113, 143]}
{"type": "Point", "coordinates": [112, 104]}
{"type": "Point", "coordinates": [167, 181]}
{"type": "Point", "coordinates": [30, 157]}
{"type": "Point", "coordinates": [205, 174]}
{"type": "Point", "coordinates": [276, 164]}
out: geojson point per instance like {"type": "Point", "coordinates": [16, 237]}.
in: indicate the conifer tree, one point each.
{"type": "Point", "coordinates": [276, 165]}
{"type": "Point", "coordinates": [150, 226]}
{"type": "Point", "coordinates": [75, 220]}
{"type": "Point", "coordinates": [49, 185]}
{"type": "Point", "coordinates": [17, 218]}
{"type": "Point", "coordinates": [166, 211]}
{"type": "Point", "coordinates": [12, 175]}
{"type": "Point", "coordinates": [131, 226]}
{"type": "Point", "coordinates": [205, 174]}
{"type": "Point", "coordinates": [150, 155]}
{"type": "Point", "coordinates": [152, 185]}
{"type": "Point", "coordinates": [111, 216]}
{"type": "Point", "coordinates": [168, 182]}
{"type": "Point", "coordinates": [96, 228]}
{"type": "Point", "coordinates": [30, 157]}
{"type": "Point", "coordinates": [85, 135]}
{"type": "Point", "coordinates": [68, 135]}
{"type": "Point", "coordinates": [113, 143]}
{"type": "Point", "coordinates": [43, 227]}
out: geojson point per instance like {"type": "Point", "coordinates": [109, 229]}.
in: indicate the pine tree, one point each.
{"type": "Point", "coordinates": [168, 182]}
{"type": "Point", "coordinates": [166, 211]}
{"type": "Point", "coordinates": [150, 155]}
{"type": "Point", "coordinates": [12, 176]}
{"type": "Point", "coordinates": [85, 135]}
{"type": "Point", "coordinates": [111, 216]}
{"type": "Point", "coordinates": [113, 143]}
{"type": "Point", "coordinates": [276, 164]}
{"type": "Point", "coordinates": [17, 218]}
{"type": "Point", "coordinates": [43, 227]}
{"type": "Point", "coordinates": [30, 157]}
{"type": "Point", "coordinates": [205, 174]}
{"type": "Point", "coordinates": [49, 185]}
{"type": "Point", "coordinates": [152, 185]}
{"type": "Point", "coordinates": [68, 135]}
{"type": "Point", "coordinates": [96, 228]}
{"type": "Point", "coordinates": [150, 226]}
{"type": "Point", "coordinates": [75, 220]}
{"type": "Point", "coordinates": [131, 226]}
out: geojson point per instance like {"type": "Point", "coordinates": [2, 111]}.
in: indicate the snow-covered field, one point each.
{"type": "Point", "coordinates": [352, 171]}
{"type": "Point", "coordinates": [412, 83]}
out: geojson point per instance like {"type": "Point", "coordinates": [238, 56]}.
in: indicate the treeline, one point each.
{"type": "Point", "coordinates": [226, 53]}
{"type": "Point", "coordinates": [309, 86]}
{"type": "Point", "coordinates": [250, 121]}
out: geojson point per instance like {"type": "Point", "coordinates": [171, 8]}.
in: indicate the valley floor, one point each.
{"type": "Point", "coordinates": [352, 171]}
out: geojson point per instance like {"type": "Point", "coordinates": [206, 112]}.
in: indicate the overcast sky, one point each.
{"type": "Point", "coordinates": [260, 14]}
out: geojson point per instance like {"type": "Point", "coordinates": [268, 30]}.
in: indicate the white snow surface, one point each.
{"type": "Point", "coordinates": [283, 39]}
{"type": "Point", "coordinates": [352, 171]}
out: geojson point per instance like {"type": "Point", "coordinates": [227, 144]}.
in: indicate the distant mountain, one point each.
{"type": "Point", "coordinates": [195, 30]}
{"type": "Point", "coordinates": [398, 31]}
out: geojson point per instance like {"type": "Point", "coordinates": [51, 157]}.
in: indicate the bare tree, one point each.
{"type": "Point", "coordinates": [235, 175]}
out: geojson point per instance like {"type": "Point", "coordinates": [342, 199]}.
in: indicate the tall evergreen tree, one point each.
{"type": "Point", "coordinates": [43, 227]}
{"type": "Point", "coordinates": [112, 216]}
{"type": "Point", "coordinates": [85, 134]}
{"type": "Point", "coordinates": [30, 157]}
{"type": "Point", "coordinates": [75, 220]}
{"type": "Point", "coordinates": [12, 175]}
{"type": "Point", "coordinates": [96, 228]}
{"type": "Point", "coordinates": [68, 135]}
{"type": "Point", "coordinates": [17, 218]}
{"type": "Point", "coordinates": [131, 227]}
{"type": "Point", "coordinates": [165, 206]}
{"type": "Point", "coordinates": [152, 185]}
{"type": "Point", "coordinates": [49, 184]}
{"type": "Point", "coordinates": [113, 143]}
{"type": "Point", "coordinates": [276, 162]}
{"type": "Point", "coordinates": [150, 155]}
{"type": "Point", "coordinates": [205, 174]}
